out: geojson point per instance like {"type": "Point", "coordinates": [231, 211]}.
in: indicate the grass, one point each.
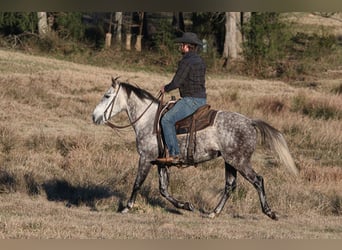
{"type": "Point", "coordinates": [63, 177]}
{"type": "Point", "coordinates": [337, 89]}
{"type": "Point", "coordinates": [317, 107]}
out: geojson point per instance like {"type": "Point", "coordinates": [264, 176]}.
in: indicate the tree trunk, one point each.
{"type": "Point", "coordinates": [233, 38]}
{"type": "Point", "coordinates": [138, 43]}
{"type": "Point", "coordinates": [178, 21]}
{"type": "Point", "coordinates": [139, 36]}
{"type": "Point", "coordinates": [127, 25]}
{"type": "Point", "coordinates": [239, 38]}
{"type": "Point", "coordinates": [118, 21]}
{"type": "Point", "coordinates": [43, 27]}
{"type": "Point", "coordinates": [108, 40]}
{"type": "Point", "coordinates": [128, 41]}
{"type": "Point", "coordinates": [245, 18]}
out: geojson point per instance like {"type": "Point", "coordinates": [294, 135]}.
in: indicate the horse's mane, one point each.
{"type": "Point", "coordinates": [141, 93]}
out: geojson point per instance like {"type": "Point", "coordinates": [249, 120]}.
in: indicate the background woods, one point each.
{"type": "Point", "coordinates": [260, 44]}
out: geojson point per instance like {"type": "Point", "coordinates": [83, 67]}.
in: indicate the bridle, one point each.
{"type": "Point", "coordinates": [111, 106]}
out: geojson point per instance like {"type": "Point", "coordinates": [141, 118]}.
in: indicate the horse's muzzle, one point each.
{"type": "Point", "coordinates": [97, 119]}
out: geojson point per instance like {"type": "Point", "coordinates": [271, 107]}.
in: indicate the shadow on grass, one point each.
{"type": "Point", "coordinates": [8, 182]}
{"type": "Point", "coordinates": [61, 190]}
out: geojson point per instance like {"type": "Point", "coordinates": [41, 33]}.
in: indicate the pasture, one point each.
{"type": "Point", "coordinates": [62, 177]}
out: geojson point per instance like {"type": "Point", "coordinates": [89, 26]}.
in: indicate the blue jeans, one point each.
{"type": "Point", "coordinates": [183, 108]}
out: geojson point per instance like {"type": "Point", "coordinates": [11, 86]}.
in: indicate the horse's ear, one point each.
{"type": "Point", "coordinates": [115, 81]}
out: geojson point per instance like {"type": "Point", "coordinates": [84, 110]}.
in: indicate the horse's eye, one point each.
{"type": "Point", "coordinates": [106, 96]}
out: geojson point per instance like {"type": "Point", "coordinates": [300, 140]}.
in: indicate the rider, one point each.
{"type": "Point", "coordinates": [190, 80]}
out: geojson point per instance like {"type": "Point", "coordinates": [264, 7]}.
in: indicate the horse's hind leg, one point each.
{"type": "Point", "coordinates": [163, 188]}
{"type": "Point", "coordinates": [230, 173]}
{"type": "Point", "coordinates": [258, 183]}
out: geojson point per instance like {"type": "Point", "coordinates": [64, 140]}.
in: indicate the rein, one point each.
{"type": "Point", "coordinates": [113, 126]}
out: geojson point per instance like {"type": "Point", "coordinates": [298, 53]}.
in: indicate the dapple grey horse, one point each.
{"type": "Point", "coordinates": [232, 136]}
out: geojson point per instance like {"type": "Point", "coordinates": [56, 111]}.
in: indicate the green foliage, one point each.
{"type": "Point", "coordinates": [201, 22]}
{"type": "Point", "coordinates": [207, 25]}
{"type": "Point", "coordinates": [163, 40]}
{"type": "Point", "coordinates": [266, 37]}
{"type": "Point", "coordinates": [210, 25]}
{"type": "Point", "coordinates": [18, 22]}
{"type": "Point", "coordinates": [271, 49]}
{"type": "Point", "coordinates": [69, 25]}
{"type": "Point", "coordinates": [312, 45]}
{"type": "Point", "coordinates": [164, 51]}
{"type": "Point", "coordinates": [266, 41]}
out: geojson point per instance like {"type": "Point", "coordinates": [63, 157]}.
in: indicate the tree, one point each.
{"type": "Point", "coordinates": [108, 40]}
{"type": "Point", "coordinates": [71, 25]}
{"type": "Point", "coordinates": [15, 23]}
{"type": "Point", "coordinates": [127, 24]}
{"type": "Point", "coordinates": [118, 22]}
{"type": "Point", "coordinates": [233, 37]}
{"type": "Point", "coordinates": [267, 43]}
{"type": "Point", "coordinates": [43, 27]}
{"type": "Point", "coordinates": [178, 21]}
{"type": "Point", "coordinates": [139, 36]}
{"type": "Point", "coordinates": [266, 36]}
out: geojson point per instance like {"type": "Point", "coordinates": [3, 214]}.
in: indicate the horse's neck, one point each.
{"type": "Point", "coordinates": [142, 113]}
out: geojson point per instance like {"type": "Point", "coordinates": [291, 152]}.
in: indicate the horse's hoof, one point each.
{"type": "Point", "coordinates": [188, 206]}
{"type": "Point", "coordinates": [272, 215]}
{"type": "Point", "coordinates": [125, 210]}
{"type": "Point", "coordinates": [211, 215]}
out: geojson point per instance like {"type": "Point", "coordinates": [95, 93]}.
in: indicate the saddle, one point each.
{"type": "Point", "coordinates": [202, 118]}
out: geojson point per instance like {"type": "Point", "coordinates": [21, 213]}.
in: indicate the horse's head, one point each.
{"type": "Point", "coordinates": [110, 104]}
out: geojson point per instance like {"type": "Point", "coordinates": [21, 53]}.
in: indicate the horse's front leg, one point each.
{"type": "Point", "coordinates": [143, 170]}
{"type": "Point", "coordinates": [163, 188]}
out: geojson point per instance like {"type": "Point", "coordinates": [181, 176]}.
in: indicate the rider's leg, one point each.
{"type": "Point", "coordinates": [183, 108]}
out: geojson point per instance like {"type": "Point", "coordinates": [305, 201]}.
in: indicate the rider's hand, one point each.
{"type": "Point", "coordinates": [162, 90]}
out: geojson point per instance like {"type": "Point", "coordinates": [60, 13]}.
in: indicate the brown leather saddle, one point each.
{"type": "Point", "coordinates": [202, 118]}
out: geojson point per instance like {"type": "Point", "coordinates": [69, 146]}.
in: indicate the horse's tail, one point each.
{"type": "Point", "coordinates": [277, 142]}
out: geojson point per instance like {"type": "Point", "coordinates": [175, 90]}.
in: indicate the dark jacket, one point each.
{"type": "Point", "coordinates": [189, 77]}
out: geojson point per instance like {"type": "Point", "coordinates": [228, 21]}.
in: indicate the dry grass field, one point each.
{"type": "Point", "coordinates": [63, 177]}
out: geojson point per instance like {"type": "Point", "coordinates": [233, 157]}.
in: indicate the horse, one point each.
{"type": "Point", "coordinates": [232, 136]}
